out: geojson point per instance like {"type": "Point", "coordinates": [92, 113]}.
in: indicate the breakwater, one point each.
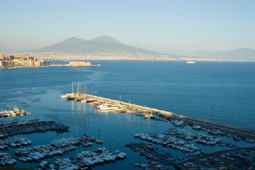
{"type": "Point", "coordinates": [77, 64]}
{"type": "Point", "coordinates": [228, 130]}
{"type": "Point", "coordinates": [66, 65]}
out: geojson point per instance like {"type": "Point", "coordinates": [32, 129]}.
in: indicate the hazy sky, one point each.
{"type": "Point", "coordinates": [169, 26]}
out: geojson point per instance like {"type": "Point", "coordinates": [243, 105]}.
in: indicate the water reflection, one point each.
{"type": "Point", "coordinates": [72, 104]}
{"type": "Point", "coordinates": [84, 107]}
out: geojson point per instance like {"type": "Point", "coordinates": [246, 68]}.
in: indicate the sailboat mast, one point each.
{"type": "Point", "coordinates": [85, 90]}
{"type": "Point", "coordinates": [78, 88]}
{"type": "Point", "coordinates": [72, 87]}
{"type": "Point", "coordinates": [79, 128]}
{"type": "Point", "coordinates": [84, 125]}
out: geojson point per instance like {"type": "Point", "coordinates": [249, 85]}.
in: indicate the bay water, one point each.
{"type": "Point", "coordinates": [218, 91]}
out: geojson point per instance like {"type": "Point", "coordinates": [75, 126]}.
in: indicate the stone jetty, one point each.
{"type": "Point", "coordinates": [208, 124]}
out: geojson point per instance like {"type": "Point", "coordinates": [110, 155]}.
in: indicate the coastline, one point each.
{"type": "Point", "coordinates": [132, 59]}
{"type": "Point", "coordinates": [25, 67]}
{"type": "Point", "coordinates": [59, 65]}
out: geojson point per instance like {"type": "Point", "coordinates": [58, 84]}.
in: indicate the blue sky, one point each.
{"type": "Point", "coordinates": [169, 26]}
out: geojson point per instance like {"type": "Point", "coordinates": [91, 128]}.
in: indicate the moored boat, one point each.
{"type": "Point", "coordinates": [84, 101]}
{"type": "Point", "coordinates": [70, 98]}
{"type": "Point", "coordinates": [190, 62]}
{"type": "Point", "coordinates": [90, 100]}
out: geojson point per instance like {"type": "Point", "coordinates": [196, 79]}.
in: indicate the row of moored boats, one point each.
{"type": "Point", "coordinates": [15, 127]}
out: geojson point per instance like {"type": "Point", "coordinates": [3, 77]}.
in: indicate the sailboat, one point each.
{"type": "Point", "coordinates": [71, 97]}
{"type": "Point", "coordinates": [98, 140]}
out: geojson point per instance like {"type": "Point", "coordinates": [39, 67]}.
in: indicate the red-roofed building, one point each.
{"type": "Point", "coordinates": [22, 56]}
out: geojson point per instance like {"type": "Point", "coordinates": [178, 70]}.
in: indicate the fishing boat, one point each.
{"type": "Point", "coordinates": [90, 100]}
{"type": "Point", "coordinates": [95, 104]}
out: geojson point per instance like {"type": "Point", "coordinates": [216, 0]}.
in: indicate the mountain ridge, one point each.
{"type": "Point", "coordinates": [106, 47]}
{"type": "Point", "coordinates": [101, 44]}
{"type": "Point", "coordinates": [240, 54]}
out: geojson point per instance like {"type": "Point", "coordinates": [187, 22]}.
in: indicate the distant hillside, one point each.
{"type": "Point", "coordinates": [102, 44]}
{"type": "Point", "coordinates": [241, 54]}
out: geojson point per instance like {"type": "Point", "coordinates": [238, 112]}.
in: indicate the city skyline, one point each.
{"type": "Point", "coordinates": [172, 27]}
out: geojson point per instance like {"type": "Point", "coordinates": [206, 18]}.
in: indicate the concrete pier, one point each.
{"type": "Point", "coordinates": [208, 124]}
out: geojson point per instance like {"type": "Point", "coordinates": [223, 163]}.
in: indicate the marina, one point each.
{"type": "Point", "coordinates": [186, 142]}
{"type": "Point", "coordinates": [182, 138]}
{"type": "Point", "coordinates": [33, 125]}
{"type": "Point", "coordinates": [178, 120]}
{"type": "Point", "coordinates": [85, 160]}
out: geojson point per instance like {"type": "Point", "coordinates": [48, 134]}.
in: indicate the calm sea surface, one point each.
{"type": "Point", "coordinates": [219, 91]}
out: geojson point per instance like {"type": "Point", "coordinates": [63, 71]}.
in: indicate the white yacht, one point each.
{"type": "Point", "coordinates": [191, 62]}
{"type": "Point", "coordinates": [106, 107]}
{"type": "Point", "coordinates": [84, 101]}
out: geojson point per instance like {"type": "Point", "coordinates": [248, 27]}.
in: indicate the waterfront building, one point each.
{"type": "Point", "coordinates": [8, 63]}
{"type": "Point", "coordinates": [25, 62]}
{"type": "Point", "coordinates": [37, 63]}
{"type": "Point", "coordinates": [43, 62]}
{"type": "Point", "coordinates": [31, 62]}
{"type": "Point", "coordinates": [1, 61]}
{"type": "Point", "coordinates": [46, 62]}
{"type": "Point", "coordinates": [21, 60]}
{"type": "Point", "coordinates": [17, 62]}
